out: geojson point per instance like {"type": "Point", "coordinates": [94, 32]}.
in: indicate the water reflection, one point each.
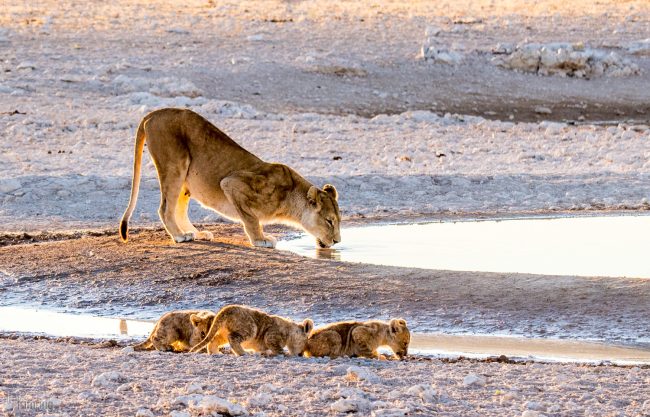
{"type": "Point", "coordinates": [614, 246]}
{"type": "Point", "coordinates": [16, 319]}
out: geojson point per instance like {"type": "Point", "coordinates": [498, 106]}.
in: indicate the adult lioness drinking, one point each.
{"type": "Point", "coordinates": [195, 159]}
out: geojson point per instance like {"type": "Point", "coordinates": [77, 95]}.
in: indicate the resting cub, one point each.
{"type": "Point", "coordinates": [248, 328]}
{"type": "Point", "coordinates": [178, 331]}
{"type": "Point", "coordinates": [350, 338]}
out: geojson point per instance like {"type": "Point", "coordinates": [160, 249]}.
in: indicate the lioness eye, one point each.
{"type": "Point", "coordinates": [202, 334]}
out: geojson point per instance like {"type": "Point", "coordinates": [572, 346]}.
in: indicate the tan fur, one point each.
{"type": "Point", "coordinates": [350, 338]}
{"type": "Point", "coordinates": [195, 159]}
{"type": "Point", "coordinates": [178, 331]}
{"type": "Point", "coordinates": [247, 328]}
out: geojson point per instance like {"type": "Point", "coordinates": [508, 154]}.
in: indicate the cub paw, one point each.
{"type": "Point", "coordinates": [204, 235]}
{"type": "Point", "coordinates": [267, 242]}
{"type": "Point", "coordinates": [185, 237]}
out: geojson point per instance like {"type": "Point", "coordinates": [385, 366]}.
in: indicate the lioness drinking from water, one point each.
{"type": "Point", "coordinates": [195, 159]}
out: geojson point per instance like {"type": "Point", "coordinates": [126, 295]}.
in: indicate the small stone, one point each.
{"type": "Point", "coordinates": [350, 405]}
{"type": "Point", "coordinates": [107, 379]}
{"type": "Point", "coordinates": [356, 373]}
{"type": "Point", "coordinates": [531, 413]}
{"type": "Point", "coordinates": [179, 414]}
{"type": "Point", "coordinates": [194, 388]}
{"type": "Point", "coordinates": [535, 406]}
{"type": "Point", "coordinates": [473, 380]}
{"type": "Point", "coordinates": [210, 403]}
{"type": "Point", "coordinates": [143, 412]}
{"type": "Point", "coordinates": [260, 400]}
{"type": "Point", "coordinates": [542, 110]}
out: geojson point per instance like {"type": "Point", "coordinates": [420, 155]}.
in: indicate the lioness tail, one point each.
{"type": "Point", "coordinates": [140, 138]}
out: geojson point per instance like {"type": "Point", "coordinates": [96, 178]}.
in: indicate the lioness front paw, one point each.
{"type": "Point", "coordinates": [204, 235]}
{"type": "Point", "coordinates": [185, 237]}
{"type": "Point", "coordinates": [267, 242]}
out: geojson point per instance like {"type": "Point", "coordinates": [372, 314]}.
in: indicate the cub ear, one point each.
{"type": "Point", "coordinates": [312, 195]}
{"type": "Point", "coordinates": [307, 326]}
{"type": "Point", "coordinates": [396, 325]}
{"type": "Point", "coordinates": [331, 190]}
{"type": "Point", "coordinates": [195, 319]}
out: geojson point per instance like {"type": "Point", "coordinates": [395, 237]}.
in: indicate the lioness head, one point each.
{"type": "Point", "coordinates": [321, 218]}
{"type": "Point", "coordinates": [399, 337]}
{"type": "Point", "coordinates": [201, 323]}
{"type": "Point", "coordinates": [298, 335]}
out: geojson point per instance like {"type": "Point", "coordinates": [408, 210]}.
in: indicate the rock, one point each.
{"type": "Point", "coordinates": [350, 405]}
{"type": "Point", "coordinates": [212, 403]}
{"type": "Point", "coordinates": [179, 414]}
{"type": "Point", "coordinates": [143, 412]}
{"type": "Point", "coordinates": [640, 47]}
{"type": "Point", "coordinates": [26, 65]}
{"type": "Point", "coordinates": [424, 392]}
{"type": "Point", "coordinates": [9, 185]}
{"type": "Point", "coordinates": [473, 380]}
{"type": "Point", "coordinates": [260, 400]}
{"type": "Point", "coordinates": [566, 60]}
{"type": "Point", "coordinates": [186, 400]}
{"type": "Point", "coordinates": [542, 110]}
{"type": "Point", "coordinates": [535, 406]}
{"type": "Point", "coordinates": [107, 379]}
{"type": "Point", "coordinates": [127, 349]}
{"type": "Point", "coordinates": [88, 396]}
{"type": "Point", "coordinates": [531, 413]}
{"type": "Point", "coordinates": [391, 412]}
{"type": "Point", "coordinates": [194, 388]}
{"type": "Point", "coordinates": [356, 373]}
{"type": "Point", "coordinates": [178, 31]}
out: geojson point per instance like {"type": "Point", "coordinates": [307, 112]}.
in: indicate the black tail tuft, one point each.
{"type": "Point", "coordinates": [124, 229]}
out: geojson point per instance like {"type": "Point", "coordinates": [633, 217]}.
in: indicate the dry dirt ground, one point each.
{"type": "Point", "coordinates": [41, 377]}
{"type": "Point", "coordinates": [330, 57]}
{"type": "Point", "coordinates": [148, 275]}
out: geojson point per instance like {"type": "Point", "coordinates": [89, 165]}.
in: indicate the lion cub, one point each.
{"type": "Point", "coordinates": [178, 331]}
{"type": "Point", "coordinates": [350, 338]}
{"type": "Point", "coordinates": [248, 328]}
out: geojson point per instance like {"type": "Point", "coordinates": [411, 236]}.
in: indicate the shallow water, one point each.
{"type": "Point", "coordinates": [57, 324]}
{"type": "Point", "coordinates": [609, 246]}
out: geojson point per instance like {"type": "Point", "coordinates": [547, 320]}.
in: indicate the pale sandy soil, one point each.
{"type": "Point", "coordinates": [69, 379]}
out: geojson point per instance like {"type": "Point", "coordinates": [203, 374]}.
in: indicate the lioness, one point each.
{"type": "Point", "coordinates": [195, 159]}
{"type": "Point", "coordinates": [248, 328]}
{"type": "Point", "coordinates": [350, 338]}
{"type": "Point", "coordinates": [178, 331]}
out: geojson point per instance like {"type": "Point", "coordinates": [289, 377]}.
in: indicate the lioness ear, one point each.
{"type": "Point", "coordinates": [396, 325]}
{"type": "Point", "coordinates": [195, 319]}
{"type": "Point", "coordinates": [307, 326]}
{"type": "Point", "coordinates": [331, 190]}
{"type": "Point", "coordinates": [312, 195]}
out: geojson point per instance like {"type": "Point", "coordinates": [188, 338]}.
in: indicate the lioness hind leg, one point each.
{"type": "Point", "coordinates": [183, 220]}
{"type": "Point", "coordinates": [171, 184]}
